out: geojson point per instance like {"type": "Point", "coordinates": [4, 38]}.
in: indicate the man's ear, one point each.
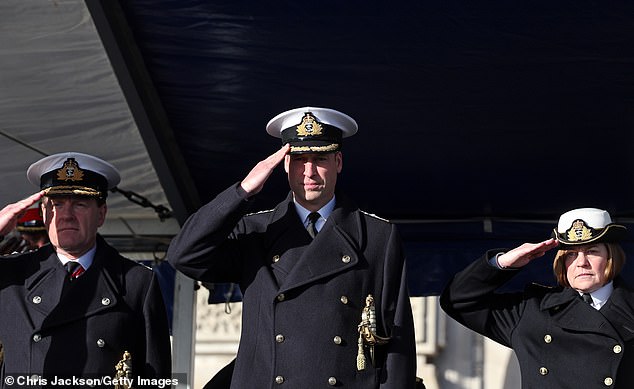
{"type": "Point", "coordinates": [339, 161]}
{"type": "Point", "coordinates": [102, 214]}
{"type": "Point", "coordinates": [287, 160]}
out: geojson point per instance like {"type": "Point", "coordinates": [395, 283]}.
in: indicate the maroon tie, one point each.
{"type": "Point", "coordinates": [74, 268]}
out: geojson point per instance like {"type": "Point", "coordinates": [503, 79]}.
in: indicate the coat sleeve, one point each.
{"type": "Point", "coordinates": [206, 247]}
{"type": "Point", "coordinates": [470, 299]}
{"type": "Point", "coordinates": [157, 338]}
{"type": "Point", "coordinates": [400, 358]}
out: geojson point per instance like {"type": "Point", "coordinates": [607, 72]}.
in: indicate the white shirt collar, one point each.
{"type": "Point", "coordinates": [85, 260]}
{"type": "Point", "coordinates": [324, 213]}
{"type": "Point", "coordinates": [601, 295]}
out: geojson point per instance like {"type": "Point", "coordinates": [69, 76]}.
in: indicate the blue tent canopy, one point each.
{"type": "Point", "coordinates": [469, 113]}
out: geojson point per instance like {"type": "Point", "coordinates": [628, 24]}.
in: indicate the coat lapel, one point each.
{"type": "Point", "coordinates": [44, 288]}
{"type": "Point", "coordinates": [569, 312]}
{"type": "Point", "coordinates": [284, 235]}
{"type": "Point", "coordinates": [95, 291]}
{"type": "Point", "coordinates": [619, 310]}
{"type": "Point", "coordinates": [333, 250]}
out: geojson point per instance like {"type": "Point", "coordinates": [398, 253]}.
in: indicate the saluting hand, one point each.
{"type": "Point", "coordinates": [254, 181]}
{"type": "Point", "coordinates": [524, 254]}
{"type": "Point", "coordinates": [10, 214]}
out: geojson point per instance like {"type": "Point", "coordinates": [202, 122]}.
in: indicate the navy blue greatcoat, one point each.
{"type": "Point", "coordinates": [303, 298]}
{"type": "Point", "coordinates": [560, 341]}
{"type": "Point", "coordinates": [50, 326]}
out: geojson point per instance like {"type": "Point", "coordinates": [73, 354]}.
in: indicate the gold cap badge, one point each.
{"type": "Point", "coordinates": [309, 126]}
{"type": "Point", "coordinates": [579, 231]}
{"type": "Point", "coordinates": [70, 171]}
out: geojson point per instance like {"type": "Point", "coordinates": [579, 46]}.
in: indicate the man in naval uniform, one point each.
{"type": "Point", "coordinates": [325, 301]}
{"type": "Point", "coordinates": [577, 335]}
{"type": "Point", "coordinates": [73, 308]}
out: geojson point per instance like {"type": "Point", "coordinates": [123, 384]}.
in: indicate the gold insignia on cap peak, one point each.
{"type": "Point", "coordinates": [309, 126]}
{"type": "Point", "coordinates": [579, 231]}
{"type": "Point", "coordinates": [70, 171]}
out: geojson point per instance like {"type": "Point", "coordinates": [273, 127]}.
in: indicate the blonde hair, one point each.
{"type": "Point", "coordinates": [616, 260]}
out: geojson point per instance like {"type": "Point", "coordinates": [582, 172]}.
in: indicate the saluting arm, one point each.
{"type": "Point", "coordinates": [207, 247]}
{"type": "Point", "coordinates": [470, 296]}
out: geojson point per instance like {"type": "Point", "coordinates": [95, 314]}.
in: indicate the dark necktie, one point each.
{"type": "Point", "coordinates": [587, 298]}
{"type": "Point", "coordinates": [312, 224]}
{"type": "Point", "coordinates": [74, 268]}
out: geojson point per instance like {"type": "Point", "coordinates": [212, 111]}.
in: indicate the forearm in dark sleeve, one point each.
{"type": "Point", "coordinates": [204, 248]}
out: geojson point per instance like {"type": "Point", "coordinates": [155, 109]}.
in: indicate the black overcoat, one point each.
{"type": "Point", "coordinates": [303, 298]}
{"type": "Point", "coordinates": [52, 327]}
{"type": "Point", "coordinates": [560, 341]}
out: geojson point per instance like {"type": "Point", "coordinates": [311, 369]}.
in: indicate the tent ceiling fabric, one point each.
{"type": "Point", "coordinates": [493, 117]}
{"type": "Point", "coordinates": [475, 119]}
{"type": "Point", "coordinates": [507, 114]}
{"type": "Point", "coordinates": [58, 93]}
{"type": "Point", "coordinates": [466, 110]}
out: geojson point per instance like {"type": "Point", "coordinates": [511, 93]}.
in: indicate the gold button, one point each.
{"type": "Point", "coordinates": [37, 337]}
{"type": "Point", "coordinates": [279, 338]}
{"type": "Point", "coordinates": [543, 371]}
{"type": "Point", "coordinates": [280, 297]}
{"type": "Point", "coordinates": [37, 299]}
{"type": "Point", "coordinates": [105, 301]}
{"type": "Point", "coordinates": [332, 381]}
{"type": "Point", "coordinates": [279, 379]}
{"type": "Point", "coordinates": [344, 299]}
{"type": "Point", "coordinates": [608, 381]}
{"type": "Point", "coordinates": [337, 339]}
{"type": "Point", "coordinates": [345, 259]}
{"type": "Point", "coordinates": [101, 343]}
{"type": "Point", "coordinates": [617, 349]}
{"type": "Point", "coordinates": [276, 258]}
{"type": "Point", "coordinates": [548, 338]}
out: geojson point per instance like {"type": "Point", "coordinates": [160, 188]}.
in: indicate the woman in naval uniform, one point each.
{"type": "Point", "coordinates": [579, 335]}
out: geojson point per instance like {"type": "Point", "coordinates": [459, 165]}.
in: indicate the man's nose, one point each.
{"type": "Point", "coordinates": [309, 169]}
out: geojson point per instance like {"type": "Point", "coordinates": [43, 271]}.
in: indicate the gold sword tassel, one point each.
{"type": "Point", "coordinates": [360, 355]}
{"type": "Point", "coordinates": [367, 333]}
{"type": "Point", "coordinates": [123, 373]}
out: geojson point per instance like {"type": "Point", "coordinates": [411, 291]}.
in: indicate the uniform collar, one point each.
{"type": "Point", "coordinates": [85, 260]}
{"type": "Point", "coordinates": [324, 213]}
{"type": "Point", "coordinates": [601, 295]}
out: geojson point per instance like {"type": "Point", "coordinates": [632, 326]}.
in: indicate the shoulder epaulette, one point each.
{"type": "Point", "coordinates": [259, 212]}
{"type": "Point", "coordinates": [538, 289]}
{"type": "Point", "coordinates": [374, 216]}
{"type": "Point", "coordinates": [540, 286]}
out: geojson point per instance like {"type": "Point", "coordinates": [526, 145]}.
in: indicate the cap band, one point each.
{"type": "Point", "coordinates": [316, 149]}
{"type": "Point", "coordinates": [312, 136]}
{"type": "Point", "coordinates": [30, 228]}
{"type": "Point", "coordinates": [581, 234]}
{"type": "Point", "coordinates": [71, 180]}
